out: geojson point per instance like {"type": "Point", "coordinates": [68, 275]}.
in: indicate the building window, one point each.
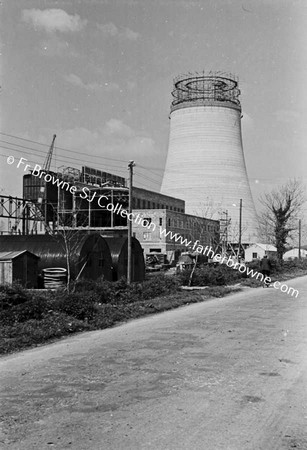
{"type": "Point", "coordinates": [169, 222]}
{"type": "Point", "coordinates": [148, 204]}
{"type": "Point", "coordinates": [255, 255]}
{"type": "Point", "coordinates": [146, 221]}
{"type": "Point", "coordinates": [144, 204]}
{"type": "Point", "coordinates": [160, 221]}
{"type": "Point", "coordinates": [153, 205]}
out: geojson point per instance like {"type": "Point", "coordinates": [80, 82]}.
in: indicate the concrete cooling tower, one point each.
{"type": "Point", "coordinates": [205, 163]}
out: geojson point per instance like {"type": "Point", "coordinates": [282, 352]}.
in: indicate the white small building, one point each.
{"type": "Point", "coordinates": [293, 254]}
{"type": "Point", "coordinates": [258, 251]}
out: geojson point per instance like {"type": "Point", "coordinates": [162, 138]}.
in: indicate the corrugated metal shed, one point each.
{"type": "Point", "coordinates": [119, 252]}
{"type": "Point", "coordinates": [89, 253]}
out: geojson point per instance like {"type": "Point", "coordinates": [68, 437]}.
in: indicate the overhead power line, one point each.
{"type": "Point", "coordinates": [61, 148]}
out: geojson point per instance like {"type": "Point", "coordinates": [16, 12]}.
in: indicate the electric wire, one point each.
{"type": "Point", "coordinates": [147, 178]}
{"type": "Point", "coordinates": [60, 148]}
{"type": "Point", "coordinates": [159, 169]}
{"type": "Point", "coordinates": [61, 158]}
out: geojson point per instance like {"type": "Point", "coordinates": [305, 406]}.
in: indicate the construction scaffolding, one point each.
{"type": "Point", "coordinates": [20, 216]}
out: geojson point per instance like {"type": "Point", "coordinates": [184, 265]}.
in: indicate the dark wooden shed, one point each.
{"type": "Point", "coordinates": [119, 252]}
{"type": "Point", "coordinates": [21, 266]}
{"type": "Point", "coordinates": [89, 253]}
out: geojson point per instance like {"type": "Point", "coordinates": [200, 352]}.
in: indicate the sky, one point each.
{"type": "Point", "coordinates": [99, 75]}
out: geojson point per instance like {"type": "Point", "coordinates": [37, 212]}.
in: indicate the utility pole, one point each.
{"type": "Point", "coordinates": [299, 238]}
{"type": "Point", "coordinates": [129, 266]}
{"type": "Point", "coordinates": [240, 228]}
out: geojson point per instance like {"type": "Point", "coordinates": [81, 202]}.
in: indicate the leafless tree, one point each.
{"type": "Point", "coordinates": [281, 211]}
{"type": "Point", "coordinates": [199, 232]}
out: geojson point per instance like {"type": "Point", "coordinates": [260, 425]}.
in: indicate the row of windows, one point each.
{"type": "Point", "coordinates": [147, 204]}
{"type": "Point", "coordinates": [180, 224]}
{"type": "Point", "coordinates": [147, 236]}
{"type": "Point", "coordinates": [200, 227]}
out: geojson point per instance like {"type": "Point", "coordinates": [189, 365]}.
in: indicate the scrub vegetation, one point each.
{"type": "Point", "coordinates": [29, 318]}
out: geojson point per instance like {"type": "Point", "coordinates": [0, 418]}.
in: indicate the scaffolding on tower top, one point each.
{"type": "Point", "coordinates": [205, 88]}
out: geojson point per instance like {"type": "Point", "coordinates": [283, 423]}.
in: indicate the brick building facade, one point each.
{"type": "Point", "coordinates": [161, 224]}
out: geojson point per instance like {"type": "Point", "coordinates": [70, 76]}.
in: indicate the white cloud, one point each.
{"type": "Point", "coordinates": [114, 139]}
{"type": "Point", "coordinates": [77, 81]}
{"type": "Point", "coordinates": [55, 46]}
{"type": "Point", "coordinates": [51, 20]}
{"type": "Point", "coordinates": [109, 29]}
{"type": "Point", "coordinates": [117, 127]}
{"type": "Point", "coordinates": [129, 34]}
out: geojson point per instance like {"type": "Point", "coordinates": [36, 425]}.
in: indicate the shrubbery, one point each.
{"type": "Point", "coordinates": [29, 318]}
{"type": "Point", "coordinates": [120, 292]}
{"type": "Point", "coordinates": [210, 276]}
{"type": "Point", "coordinates": [12, 295]}
{"type": "Point", "coordinates": [19, 306]}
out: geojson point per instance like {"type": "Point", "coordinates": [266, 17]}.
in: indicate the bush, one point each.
{"type": "Point", "coordinates": [210, 276]}
{"type": "Point", "coordinates": [156, 286]}
{"type": "Point", "coordinates": [77, 305]}
{"type": "Point", "coordinates": [33, 308]}
{"type": "Point", "coordinates": [12, 295]}
{"type": "Point", "coordinates": [34, 332]}
{"type": "Point", "coordinates": [120, 293]}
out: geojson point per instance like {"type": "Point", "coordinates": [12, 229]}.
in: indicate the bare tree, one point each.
{"type": "Point", "coordinates": [279, 217]}
{"type": "Point", "coordinates": [199, 232]}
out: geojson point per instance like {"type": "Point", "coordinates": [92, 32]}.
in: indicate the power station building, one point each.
{"type": "Point", "coordinates": [171, 232]}
{"type": "Point", "coordinates": [205, 163]}
{"type": "Point", "coordinates": [86, 209]}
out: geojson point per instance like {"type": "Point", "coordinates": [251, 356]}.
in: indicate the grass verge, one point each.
{"type": "Point", "coordinates": [50, 324]}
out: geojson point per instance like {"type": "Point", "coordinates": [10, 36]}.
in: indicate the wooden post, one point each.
{"type": "Point", "coordinates": [240, 228]}
{"type": "Point", "coordinates": [299, 238]}
{"type": "Point", "coordinates": [129, 265]}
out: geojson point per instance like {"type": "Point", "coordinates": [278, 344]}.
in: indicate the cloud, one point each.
{"type": "Point", "coordinates": [51, 20]}
{"type": "Point", "coordinates": [55, 46]}
{"type": "Point", "coordinates": [109, 29]}
{"type": "Point", "coordinates": [118, 128]}
{"type": "Point", "coordinates": [114, 139]}
{"type": "Point", "coordinates": [77, 81]}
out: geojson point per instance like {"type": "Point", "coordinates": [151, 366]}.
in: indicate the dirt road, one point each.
{"type": "Point", "coordinates": [227, 374]}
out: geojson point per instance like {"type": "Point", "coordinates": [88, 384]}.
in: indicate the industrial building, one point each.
{"type": "Point", "coordinates": [205, 163]}
{"type": "Point", "coordinates": [162, 224]}
{"type": "Point", "coordinates": [85, 207]}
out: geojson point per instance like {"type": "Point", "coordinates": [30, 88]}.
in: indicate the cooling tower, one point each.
{"type": "Point", "coordinates": [205, 163]}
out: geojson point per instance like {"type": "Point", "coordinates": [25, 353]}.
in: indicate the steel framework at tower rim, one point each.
{"type": "Point", "coordinates": [205, 89]}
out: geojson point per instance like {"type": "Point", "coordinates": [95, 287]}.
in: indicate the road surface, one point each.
{"type": "Point", "coordinates": [227, 374]}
